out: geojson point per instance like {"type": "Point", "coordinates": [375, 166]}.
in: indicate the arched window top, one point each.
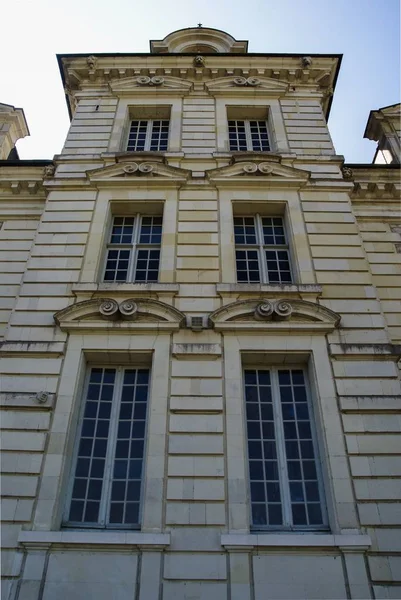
{"type": "Point", "coordinates": [204, 40]}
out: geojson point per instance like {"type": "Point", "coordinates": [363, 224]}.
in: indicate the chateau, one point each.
{"type": "Point", "coordinates": [200, 335]}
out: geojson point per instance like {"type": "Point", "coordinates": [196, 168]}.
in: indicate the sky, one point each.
{"type": "Point", "coordinates": [366, 32]}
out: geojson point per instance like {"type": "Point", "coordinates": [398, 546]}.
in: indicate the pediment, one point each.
{"type": "Point", "coordinates": [107, 313]}
{"type": "Point", "coordinates": [138, 169]}
{"type": "Point", "coordinates": [279, 315]}
{"type": "Point", "coordinates": [234, 85]}
{"type": "Point", "coordinates": [253, 167]}
{"type": "Point", "coordinates": [144, 84]}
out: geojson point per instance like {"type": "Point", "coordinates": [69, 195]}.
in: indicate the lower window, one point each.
{"type": "Point", "coordinates": [108, 467]}
{"type": "Point", "coordinates": [285, 483]}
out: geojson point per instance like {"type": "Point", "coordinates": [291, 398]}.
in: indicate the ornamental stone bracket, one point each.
{"type": "Point", "coordinates": [280, 314]}
{"type": "Point", "coordinates": [105, 313]}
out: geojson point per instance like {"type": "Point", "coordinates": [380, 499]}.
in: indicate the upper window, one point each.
{"type": "Point", "coordinates": [148, 134]}
{"type": "Point", "coordinates": [106, 487]}
{"type": "Point", "coordinates": [261, 250]}
{"type": "Point", "coordinates": [285, 483]}
{"type": "Point", "coordinates": [133, 249]}
{"type": "Point", "coordinates": [248, 135]}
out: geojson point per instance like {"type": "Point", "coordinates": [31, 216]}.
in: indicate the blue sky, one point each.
{"type": "Point", "coordinates": [367, 32]}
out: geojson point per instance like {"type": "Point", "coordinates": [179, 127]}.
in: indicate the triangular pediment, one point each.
{"type": "Point", "coordinates": [147, 84]}
{"type": "Point", "coordinates": [280, 314]}
{"type": "Point", "coordinates": [138, 170]}
{"type": "Point", "coordinates": [257, 167]}
{"type": "Point", "coordinates": [108, 313]}
{"type": "Point", "coordinates": [234, 85]}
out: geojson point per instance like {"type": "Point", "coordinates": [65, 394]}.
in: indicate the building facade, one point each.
{"type": "Point", "coordinates": [201, 323]}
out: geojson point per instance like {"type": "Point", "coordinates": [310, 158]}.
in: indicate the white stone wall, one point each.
{"type": "Point", "coordinates": [195, 541]}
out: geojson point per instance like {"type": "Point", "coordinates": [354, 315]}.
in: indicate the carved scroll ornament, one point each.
{"type": "Point", "coordinates": [281, 310]}
{"type": "Point", "coordinates": [247, 81]}
{"type": "Point", "coordinates": [145, 80]}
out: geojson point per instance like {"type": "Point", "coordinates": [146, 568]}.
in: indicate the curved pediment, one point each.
{"type": "Point", "coordinates": [132, 313]}
{"type": "Point", "coordinates": [139, 169]}
{"type": "Point", "coordinates": [253, 168]}
{"type": "Point", "coordinates": [148, 84]}
{"type": "Point", "coordinates": [243, 86]}
{"type": "Point", "coordinates": [280, 314]}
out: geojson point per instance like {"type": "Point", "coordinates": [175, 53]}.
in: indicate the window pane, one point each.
{"type": "Point", "coordinates": [117, 263]}
{"type": "Point", "coordinates": [278, 266]}
{"type": "Point", "coordinates": [259, 136]}
{"type": "Point", "coordinates": [263, 465]}
{"type": "Point", "coordinates": [89, 470]}
{"type": "Point", "coordinates": [302, 474]}
{"type": "Point", "coordinates": [137, 136]}
{"type": "Point", "coordinates": [147, 265]}
{"type": "Point", "coordinates": [244, 230]}
{"type": "Point", "coordinates": [159, 136]}
{"type": "Point", "coordinates": [127, 473]}
{"type": "Point", "coordinates": [247, 262]}
{"type": "Point", "coordinates": [236, 134]}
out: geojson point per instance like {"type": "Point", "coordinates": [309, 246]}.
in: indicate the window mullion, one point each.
{"type": "Point", "coordinates": [111, 448]}
{"type": "Point", "coordinates": [262, 259]}
{"type": "Point", "coordinates": [281, 454]}
{"type": "Point", "coordinates": [134, 247]}
{"type": "Point", "coordinates": [248, 136]}
{"type": "Point", "coordinates": [149, 128]}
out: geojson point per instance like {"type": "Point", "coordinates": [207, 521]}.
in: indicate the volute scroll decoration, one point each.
{"type": "Point", "coordinates": [129, 309]}
{"type": "Point", "coordinates": [109, 309]}
{"type": "Point", "coordinates": [281, 310]}
{"type": "Point", "coordinates": [133, 167]}
{"type": "Point", "coordinates": [264, 167]}
{"type": "Point", "coordinates": [247, 81]}
{"type": "Point", "coordinates": [145, 80]}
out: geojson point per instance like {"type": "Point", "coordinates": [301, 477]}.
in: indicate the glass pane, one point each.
{"type": "Point", "coordinates": [89, 470]}
{"type": "Point", "coordinates": [127, 473]}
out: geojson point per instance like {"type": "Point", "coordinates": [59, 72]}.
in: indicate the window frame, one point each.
{"type": "Point", "coordinates": [133, 247]}
{"type": "Point", "coordinates": [149, 131]}
{"type": "Point", "coordinates": [284, 486]}
{"type": "Point", "coordinates": [105, 500]}
{"type": "Point", "coordinates": [261, 249]}
{"type": "Point", "coordinates": [248, 134]}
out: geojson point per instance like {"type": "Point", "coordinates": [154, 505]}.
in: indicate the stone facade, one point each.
{"type": "Point", "coordinates": [336, 318]}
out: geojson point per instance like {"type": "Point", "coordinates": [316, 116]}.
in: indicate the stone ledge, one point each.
{"type": "Point", "coordinates": [72, 539]}
{"type": "Point", "coordinates": [10, 348]}
{"type": "Point", "coordinates": [307, 289]}
{"type": "Point", "coordinates": [124, 288]}
{"type": "Point", "coordinates": [298, 540]}
{"type": "Point", "coordinates": [383, 351]}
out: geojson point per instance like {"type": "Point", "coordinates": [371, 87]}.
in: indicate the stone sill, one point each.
{"type": "Point", "coordinates": [131, 288]}
{"type": "Point", "coordinates": [136, 540]}
{"type": "Point", "coordinates": [264, 288]}
{"type": "Point", "coordinates": [298, 540]}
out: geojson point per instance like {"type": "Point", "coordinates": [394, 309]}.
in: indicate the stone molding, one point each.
{"type": "Point", "coordinates": [70, 540]}
{"type": "Point", "coordinates": [145, 84]}
{"type": "Point", "coordinates": [100, 313]}
{"type": "Point", "coordinates": [145, 170]}
{"type": "Point", "coordinates": [242, 84]}
{"type": "Point", "coordinates": [252, 168]}
{"type": "Point", "coordinates": [353, 542]}
{"type": "Point", "coordinates": [280, 314]}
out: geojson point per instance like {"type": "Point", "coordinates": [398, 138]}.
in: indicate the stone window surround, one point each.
{"type": "Point", "coordinates": [311, 351]}
{"type": "Point", "coordinates": [266, 203]}
{"type": "Point", "coordinates": [126, 108]}
{"type": "Point", "coordinates": [130, 202]}
{"type": "Point", "coordinates": [138, 350]}
{"type": "Point", "coordinates": [277, 132]}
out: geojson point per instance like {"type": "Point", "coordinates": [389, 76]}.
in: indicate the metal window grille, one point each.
{"type": "Point", "coordinates": [106, 486]}
{"type": "Point", "coordinates": [133, 250]}
{"type": "Point", "coordinates": [285, 482]}
{"type": "Point", "coordinates": [148, 135]}
{"type": "Point", "coordinates": [261, 250]}
{"type": "Point", "coordinates": [248, 135]}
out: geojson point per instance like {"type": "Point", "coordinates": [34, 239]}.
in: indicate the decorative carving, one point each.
{"type": "Point", "coordinates": [280, 310]}
{"type": "Point", "coordinates": [145, 80]}
{"type": "Point", "coordinates": [91, 62]}
{"type": "Point", "coordinates": [128, 309]}
{"type": "Point", "coordinates": [48, 171]}
{"type": "Point", "coordinates": [347, 173]}
{"type": "Point", "coordinates": [306, 62]}
{"type": "Point", "coordinates": [109, 309]}
{"type": "Point", "coordinates": [199, 62]}
{"type": "Point", "coordinates": [264, 310]}
{"type": "Point", "coordinates": [145, 168]}
{"type": "Point", "coordinates": [130, 168]}
{"type": "Point", "coordinates": [251, 168]}
{"type": "Point", "coordinates": [41, 397]}
{"type": "Point", "coordinates": [250, 81]}
{"type": "Point", "coordinates": [265, 168]}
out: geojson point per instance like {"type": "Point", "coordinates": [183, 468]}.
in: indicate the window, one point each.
{"type": "Point", "coordinates": [283, 461]}
{"type": "Point", "coordinates": [133, 250]}
{"type": "Point", "coordinates": [148, 135]}
{"type": "Point", "coordinates": [106, 488]}
{"type": "Point", "coordinates": [248, 135]}
{"type": "Point", "coordinates": [261, 250]}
